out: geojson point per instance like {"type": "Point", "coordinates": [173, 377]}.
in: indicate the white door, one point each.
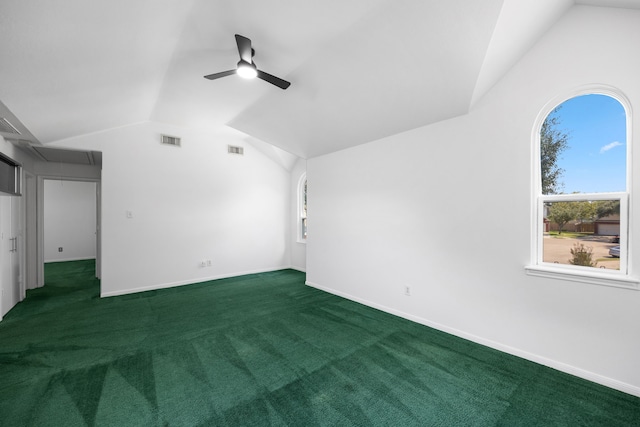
{"type": "Point", "coordinates": [17, 256]}
{"type": "Point", "coordinates": [10, 242]}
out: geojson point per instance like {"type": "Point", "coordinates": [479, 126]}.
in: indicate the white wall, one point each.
{"type": "Point", "coordinates": [69, 220]}
{"type": "Point", "coordinates": [298, 247]}
{"type": "Point", "coordinates": [446, 209]}
{"type": "Point", "coordinates": [187, 204]}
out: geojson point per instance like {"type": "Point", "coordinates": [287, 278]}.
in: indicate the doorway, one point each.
{"type": "Point", "coordinates": [69, 219]}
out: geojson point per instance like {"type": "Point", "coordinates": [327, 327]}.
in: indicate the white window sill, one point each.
{"type": "Point", "coordinates": [302, 241]}
{"type": "Point", "coordinates": [592, 277]}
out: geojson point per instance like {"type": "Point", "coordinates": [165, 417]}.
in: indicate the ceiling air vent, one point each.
{"type": "Point", "coordinates": [232, 149]}
{"type": "Point", "coordinates": [171, 140]}
{"type": "Point", "coordinates": [7, 127]}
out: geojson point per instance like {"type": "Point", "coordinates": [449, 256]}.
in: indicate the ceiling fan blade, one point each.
{"type": "Point", "coordinates": [244, 48]}
{"type": "Point", "coordinates": [218, 75]}
{"type": "Point", "coordinates": [282, 84]}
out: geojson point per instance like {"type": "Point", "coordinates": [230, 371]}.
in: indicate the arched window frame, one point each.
{"type": "Point", "coordinates": [619, 278]}
{"type": "Point", "coordinates": [302, 209]}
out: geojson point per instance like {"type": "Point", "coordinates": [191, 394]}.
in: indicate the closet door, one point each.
{"type": "Point", "coordinates": [10, 243]}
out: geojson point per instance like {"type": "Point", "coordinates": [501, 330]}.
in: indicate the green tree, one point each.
{"type": "Point", "coordinates": [561, 213]}
{"type": "Point", "coordinates": [585, 211]}
{"type": "Point", "coordinates": [607, 207]}
{"type": "Point", "coordinates": [553, 142]}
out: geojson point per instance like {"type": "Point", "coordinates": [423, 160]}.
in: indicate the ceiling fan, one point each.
{"type": "Point", "coordinates": [247, 68]}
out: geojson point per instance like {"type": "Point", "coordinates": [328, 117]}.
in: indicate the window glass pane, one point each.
{"type": "Point", "coordinates": [7, 178]}
{"type": "Point", "coordinates": [584, 233]}
{"type": "Point", "coordinates": [583, 146]}
{"type": "Point", "coordinates": [304, 202]}
{"type": "Point", "coordinates": [303, 213]}
{"type": "Point", "coordinates": [304, 228]}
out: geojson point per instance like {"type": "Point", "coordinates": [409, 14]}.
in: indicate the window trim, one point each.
{"type": "Point", "coordinates": [624, 277]}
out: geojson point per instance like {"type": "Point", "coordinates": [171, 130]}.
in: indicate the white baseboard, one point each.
{"type": "Point", "coordinates": [560, 366]}
{"type": "Point", "coordinates": [185, 282]}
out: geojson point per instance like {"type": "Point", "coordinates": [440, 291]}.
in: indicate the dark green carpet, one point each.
{"type": "Point", "coordinates": [264, 349]}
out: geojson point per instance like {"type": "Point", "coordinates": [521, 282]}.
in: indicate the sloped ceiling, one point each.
{"type": "Point", "coordinates": [360, 69]}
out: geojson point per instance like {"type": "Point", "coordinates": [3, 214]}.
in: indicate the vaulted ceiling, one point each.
{"type": "Point", "coordinates": [360, 69]}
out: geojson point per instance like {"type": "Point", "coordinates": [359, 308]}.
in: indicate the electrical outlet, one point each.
{"type": "Point", "coordinates": [407, 290]}
{"type": "Point", "coordinates": [208, 263]}
{"type": "Point", "coordinates": [60, 249]}
{"type": "Point", "coordinates": [203, 263]}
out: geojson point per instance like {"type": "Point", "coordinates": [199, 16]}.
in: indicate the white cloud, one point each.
{"type": "Point", "coordinates": [610, 146]}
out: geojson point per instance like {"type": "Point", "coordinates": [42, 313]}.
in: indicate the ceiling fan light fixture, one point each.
{"type": "Point", "coordinates": [246, 70]}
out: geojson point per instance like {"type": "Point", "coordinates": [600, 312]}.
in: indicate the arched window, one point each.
{"type": "Point", "coordinates": [581, 189]}
{"type": "Point", "coordinates": [302, 208]}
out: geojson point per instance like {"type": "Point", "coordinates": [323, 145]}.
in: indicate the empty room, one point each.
{"type": "Point", "coordinates": [238, 213]}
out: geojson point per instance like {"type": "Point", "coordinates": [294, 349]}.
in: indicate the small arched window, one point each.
{"type": "Point", "coordinates": [581, 190]}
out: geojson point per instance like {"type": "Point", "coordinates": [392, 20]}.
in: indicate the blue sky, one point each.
{"type": "Point", "coordinates": [596, 158]}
